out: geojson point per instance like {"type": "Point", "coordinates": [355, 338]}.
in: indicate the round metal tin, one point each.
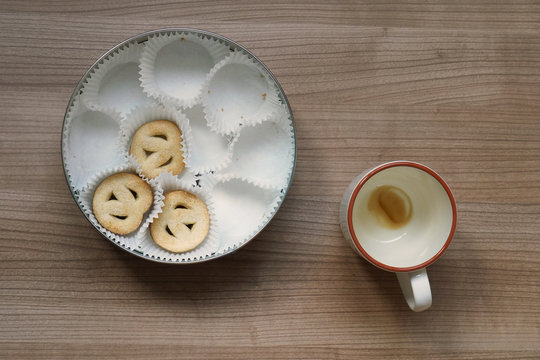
{"type": "Point", "coordinates": [141, 38]}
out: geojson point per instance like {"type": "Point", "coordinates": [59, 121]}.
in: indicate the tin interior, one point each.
{"type": "Point", "coordinates": [141, 38]}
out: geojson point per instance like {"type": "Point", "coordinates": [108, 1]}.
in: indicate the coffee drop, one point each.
{"type": "Point", "coordinates": [391, 206]}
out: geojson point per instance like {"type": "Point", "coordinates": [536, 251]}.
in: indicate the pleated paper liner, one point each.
{"type": "Point", "coordinates": [209, 246]}
{"type": "Point", "coordinates": [90, 140]}
{"type": "Point", "coordinates": [173, 66]}
{"type": "Point", "coordinates": [264, 153]}
{"type": "Point", "coordinates": [147, 113]}
{"type": "Point", "coordinates": [206, 150]}
{"type": "Point", "coordinates": [114, 83]}
{"type": "Point", "coordinates": [86, 196]}
{"type": "Point", "coordinates": [238, 91]}
{"type": "Point", "coordinates": [242, 208]}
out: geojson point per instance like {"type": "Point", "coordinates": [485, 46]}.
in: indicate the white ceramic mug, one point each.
{"type": "Point", "coordinates": [400, 216]}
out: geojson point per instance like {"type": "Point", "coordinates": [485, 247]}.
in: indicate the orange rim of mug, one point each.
{"type": "Point", "coordinates": [355, 194]}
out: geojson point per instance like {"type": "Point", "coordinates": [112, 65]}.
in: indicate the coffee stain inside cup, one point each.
{"type": "Point", "coordinates": [391, 206]}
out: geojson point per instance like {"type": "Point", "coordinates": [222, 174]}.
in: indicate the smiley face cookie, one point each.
{"type": "Point", "coordinates": [120, 202]}
{"type": "Point", "coordinates": [183, 224]}
{"type": "Point", "coordinates": [157, 146]}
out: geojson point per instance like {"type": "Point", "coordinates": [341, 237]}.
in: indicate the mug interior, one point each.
{"type": "Point", "coordinates": [419, 241]}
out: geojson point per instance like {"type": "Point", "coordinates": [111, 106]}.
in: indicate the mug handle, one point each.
{"type": "Point", "coordinates": [416, 289]}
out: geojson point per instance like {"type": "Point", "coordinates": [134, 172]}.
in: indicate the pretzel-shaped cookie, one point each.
{"type": "Point", "coordinates": [183, 224]}
{"type": "Point", "coordinates": [120, 202]}
{"type": "Point", "coordinates": [157, 146]}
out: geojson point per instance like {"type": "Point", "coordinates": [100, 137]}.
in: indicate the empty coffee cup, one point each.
{"type": "Point", "coordinates": [400, 216]}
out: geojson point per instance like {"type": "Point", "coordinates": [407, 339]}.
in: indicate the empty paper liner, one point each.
{"type": "Point", "coordinates": [174, 66]}
{"type": "Point", "coordinates": [90, 141]}
{"type": "Point", "coordinates": [264, 153]}
{"type": "Point", "coordinates": [242, 208]}
{"type": "Point", "coordinates": [114, 84]}
{"type": "Point", "coordinates": [238, 92]}
{"type": "Point", "coordinates": [206, 150]}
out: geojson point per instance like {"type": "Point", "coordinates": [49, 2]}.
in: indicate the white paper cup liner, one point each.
{"type": "Point", "coordinates": [210, 244]}
{"type": "Point", "coordinates": [173, 67]}
{"type": "Point", "coordinates": [142, 115]}
{"type": "Point", "coordinates": [241, 208]}
{"type": "Point", "coordinates": [206, 150]}
{"type": "Point", "coordinates": [114, 83]}
{"type": "Point", "coordinates": [90, 140]}
{"type": "Point", "coordinates": [264, 153]}
{"type": "Point", "coordinates": [238, 91]}
{"type": "Point", "coordinates": [86, 196]}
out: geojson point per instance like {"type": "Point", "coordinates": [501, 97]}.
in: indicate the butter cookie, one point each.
{"type": "Point", "coordinates": [183, 224]}
{"type": "Point", "coordinates": [157, 147]}
{"type": "Point", "coordinates": [120, 202]}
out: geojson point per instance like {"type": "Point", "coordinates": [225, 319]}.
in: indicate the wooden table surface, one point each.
{"type": "Point", "coordinates": [451, 84]}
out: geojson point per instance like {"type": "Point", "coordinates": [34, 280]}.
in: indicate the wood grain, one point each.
{"type": "Point", "coordinates": [454, 85]}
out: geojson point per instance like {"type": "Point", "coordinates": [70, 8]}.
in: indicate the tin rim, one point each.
{"type": "Point", "coordinates": [140, 38]}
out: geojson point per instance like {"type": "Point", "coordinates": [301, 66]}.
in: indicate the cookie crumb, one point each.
{"type": "Point", "coordinates": [182, 39]}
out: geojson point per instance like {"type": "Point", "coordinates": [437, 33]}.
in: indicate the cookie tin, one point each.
{"type": "Point", "coordinates": [239, 139]}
